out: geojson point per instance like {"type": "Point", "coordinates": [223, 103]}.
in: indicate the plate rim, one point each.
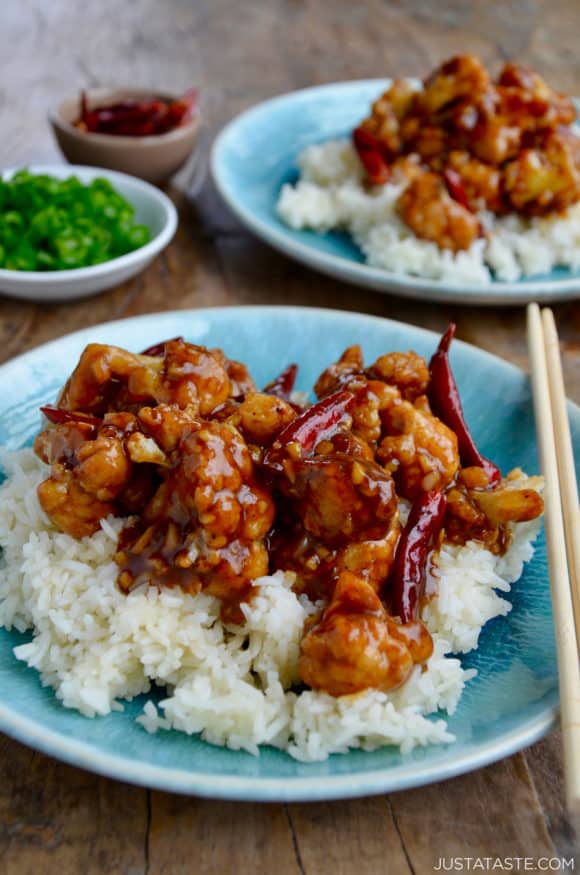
{"type": "Point", "coordinates": [268, 789]}
{"type": "Point", "coordinates": [497, 293]}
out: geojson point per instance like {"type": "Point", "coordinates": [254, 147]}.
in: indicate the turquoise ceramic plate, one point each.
{"type": "Point", "coordinates": [510, 704]}
{"type": "Point", "coordinates": [256, 154]}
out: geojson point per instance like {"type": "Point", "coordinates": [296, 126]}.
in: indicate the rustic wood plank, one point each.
{"type": "Point", "coordinates": [16, 318]}
{"type": "Point", "coordinates": [356, 835]}
{"type": "Point", "coordinates": [58, 818]}
{"type": "Point", "coordinates": [54, 818]}
{"type": "Point", "coordinates": [545, 764]}
{"type": "Point", "coordinates": [493, 812]}
{"type": "Point", "coordinates": [206, 837]}
{"type": "Point", "coordinates": [186, 275]}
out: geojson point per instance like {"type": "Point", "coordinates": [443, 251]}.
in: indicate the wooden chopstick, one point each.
{"type": "Point", "coordinates": [562, 602]}
{"type": "Point", "coordinates": [565, 458]}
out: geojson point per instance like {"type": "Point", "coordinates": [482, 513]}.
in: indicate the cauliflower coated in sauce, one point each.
{"type": "Point", "coordinates": [465, 142]}
{"type": "Point", "coordinates": [221, 484]}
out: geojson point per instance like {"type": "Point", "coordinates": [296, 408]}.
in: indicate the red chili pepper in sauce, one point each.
{"type": "Point", "coordinates": [58, 416]}
{"type": "Point", "coordinates": [317, 423]}
{"type": "Point", "coordinates": [369, 151]}
{"type": "Point", "coordinates": [158, 349]}
{"type": "Point", "coordinates": [407, 579]}
{"type": "Point", "coordinates": [446, 404]}
{"type": "Point", "coordinates": [281, 387]}
{"type": "Point", "coordinates": [455, 187]}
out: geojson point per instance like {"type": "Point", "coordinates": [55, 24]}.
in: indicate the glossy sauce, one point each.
{"type": "Point", "coordinates": [226, 484]}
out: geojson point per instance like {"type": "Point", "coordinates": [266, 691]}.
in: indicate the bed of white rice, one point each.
{"type": "Point", "coordinates": [330, 195]}
{"type": "Point", "coordinates": [96, 647]}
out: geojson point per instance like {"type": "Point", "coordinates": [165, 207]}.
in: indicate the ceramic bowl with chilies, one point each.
{"type": "Point", "coordinates": [129, 130]}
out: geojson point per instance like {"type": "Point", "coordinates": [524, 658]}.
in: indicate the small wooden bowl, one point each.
{"type": "Point", "coordinates": [154, 158]}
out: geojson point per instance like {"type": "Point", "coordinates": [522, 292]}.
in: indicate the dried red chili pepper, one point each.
{"type": "Point", "coordinates": [369, 151]}
{"type": "Point", "coordinates": [446, 404]}
{"type": "Point", "coordinates": [317, 423]}
{"type": "Point", "coordinates": [281, 387]}
{"type": "Point", "coordinates": [455, 187]}
{"type": "Point", "coordinates": [179, 111]}
{"type": "Point", "coordinates": [137, 118]}
{"type": "Point", "coordinates": [407, 579]}
{"type": "Point", "coordinates": [158, 349]}
{"type": "Point", "coordinates": [58, 416]}
{"type": "Point", "coordinates": [88, 118]}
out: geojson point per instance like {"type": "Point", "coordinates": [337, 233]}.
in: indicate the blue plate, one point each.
{"type": "Point", "coordinates": [256, 154]}
{"type": "Point", "coordinates": [511, 703]}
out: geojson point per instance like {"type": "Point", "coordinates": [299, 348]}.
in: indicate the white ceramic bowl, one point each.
{"type": "Point", "coordinates": [152, 208]}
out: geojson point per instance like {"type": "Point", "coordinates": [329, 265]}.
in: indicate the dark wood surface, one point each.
{"type": "Point", "coordinates": [54, 818]}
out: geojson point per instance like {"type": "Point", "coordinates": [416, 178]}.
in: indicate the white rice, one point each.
{"type": "Point", "coordinates": [97, 647]}
{"type": "Point", "coordinates": [330, 195]}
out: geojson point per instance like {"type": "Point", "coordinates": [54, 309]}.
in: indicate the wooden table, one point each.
{"type": "Point", "coordinates": [54, 818]}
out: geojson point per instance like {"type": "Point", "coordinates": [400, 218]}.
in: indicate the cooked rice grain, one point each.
{"type": "Point", "coordinates": [96, 647]}
{"type": "Point", "coordinates": [330, 194]}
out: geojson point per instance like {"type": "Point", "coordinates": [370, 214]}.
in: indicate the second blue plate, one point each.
{"type": "Point", "coordinates": [256, 154]}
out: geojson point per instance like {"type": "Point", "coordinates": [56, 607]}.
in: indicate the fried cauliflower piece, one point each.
{"type": "Point", "coordinates": [205, 526]}
{"type": "Point", "coordinates": [71, 508]}
{"type": "Point", "coordinates": [90, 470]}
{"type": "Point", "coordinates": [340, 498]}
{"type": "Point", "coordinates": [426, 207]}
{"type": "Point", "coordinates": [419, 449]}
{"type": "Point", "coordinates": [480, 182]}
{"type": "Point", "coordinates": [407, 371]}
{"type": "Point", "coordinates": [107, 377]}
{"type": "Point", "coordinates": [545, 178]}
{"type": "Point", "coordinates": [388, 111]}
{"type": "Point", "coordinates": [341, 514]}
{"type": "Point", "coordinates": [425, 137]}
{"type": "Point", "coordinates": [355, 645]}
{"type": "Point", "coordinates": [480, 513]}
{"type": "Point", "coordinates": [339, 374]}
{"type": "Point", "coordinates": [478, 125]}
{"type": "Point", "coordinates": [529, 102]}
{"type": "Point", "coordinates": [261, 417]}
{"type": "Point", "coordinates": [461, 76]}
{"type": "Point", "coordinates": [166, 424]}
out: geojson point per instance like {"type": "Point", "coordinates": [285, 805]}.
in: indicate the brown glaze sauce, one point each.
{"type": "Point", "coordinates": [183, 448]}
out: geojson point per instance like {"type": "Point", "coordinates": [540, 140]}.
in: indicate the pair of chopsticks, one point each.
{"type": "Point", "coordinates": [562, 523]}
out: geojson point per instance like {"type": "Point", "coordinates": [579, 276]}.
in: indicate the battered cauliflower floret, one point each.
{"type": "Point", "coordinates": [459, 77]}
{"type": "Point", "coordinates": [261, 417]}
{"type": "Point", "coordinates": [419, 449]}
{"type": "Point", "coordinates": [407, 371]}
{"type": "Point", "coordinates": [426, 207]}
{"type": "Point", "coordinates": [205, 526]}
{"type": "Point", "coordinates": [355, 645]}
{"type": "Point", "coordinates": [108, 377]}
{"type": "Point", "coordinates": [545, 178]}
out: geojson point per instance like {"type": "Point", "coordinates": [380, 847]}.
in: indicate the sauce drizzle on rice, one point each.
{"type": "Point", "coordinates": [96, 646]}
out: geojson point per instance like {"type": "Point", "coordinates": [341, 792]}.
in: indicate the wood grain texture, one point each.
{"type": "Point", "coordinates": [54, 818]}
{"type": "Point", "coordinates": [205, 837]}
{"type": "Point", "coordinates": [358, 835]}
{"type": "Point", "coordinates": [464, 815]}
